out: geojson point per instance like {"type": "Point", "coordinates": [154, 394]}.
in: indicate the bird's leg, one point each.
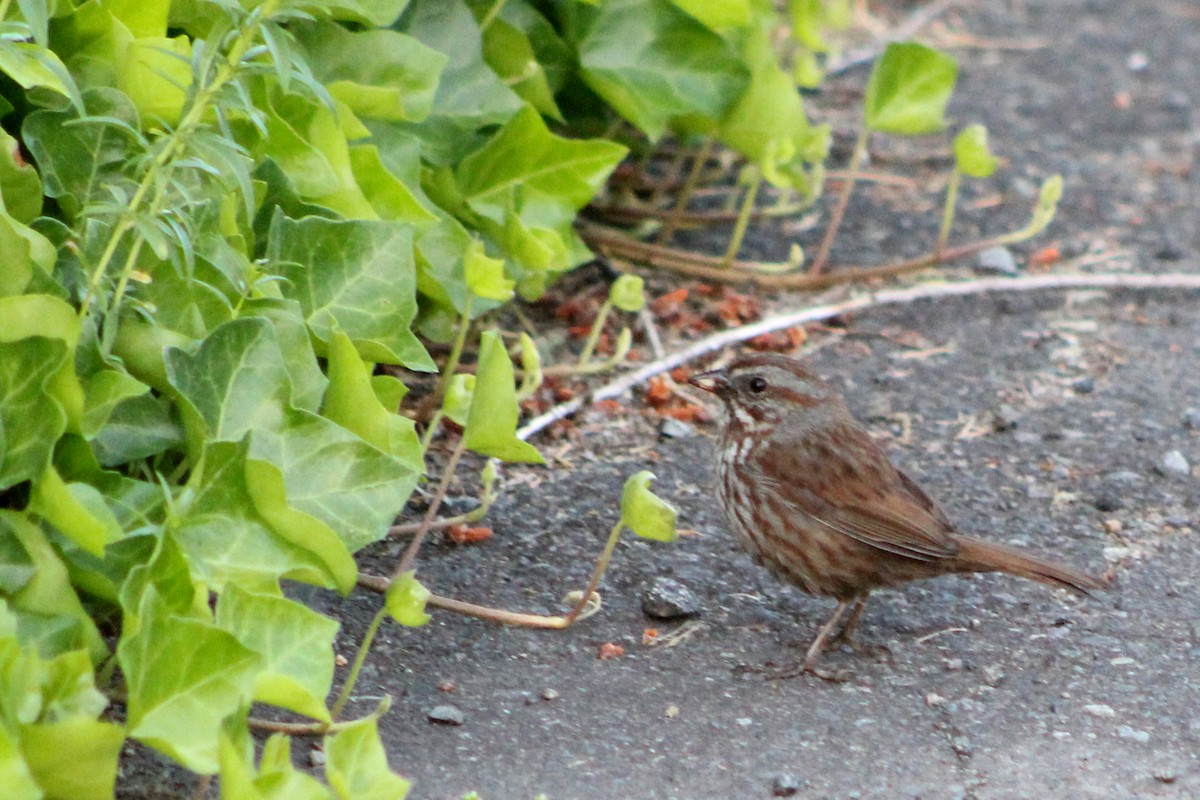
{"type": "Point", "coordinates": [818, 645]}
{"type": "Point", "coordinates": [846, 635]}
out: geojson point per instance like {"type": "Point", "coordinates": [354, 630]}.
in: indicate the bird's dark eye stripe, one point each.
{"type": "Point", "coordinates": [758, 384]}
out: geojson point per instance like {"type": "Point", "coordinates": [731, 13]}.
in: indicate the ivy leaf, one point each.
{"type": "Point", "coordinates": [184, 676]}
{"type": "Point", "coordinates": [653, 62]}
{"type": "Point", "coordinates": [20, 185]}
{"type": "Point", "coordinates": [354, 275]}
{"type": "Point", "coordinates": [456, 404]}
{"type": "Point", "coordinates": [627, 293]}
{"type": "Point", "coordinates": [295, 643]}
{"type": "Point", "coordinates": [357, 767]}
{"type": "Point", "coordinates": [909, 89]}
{"type": "Point", "coordinates": [485, 275]}
{"type": "Point", "coordinates": [406, 599]}
{"type": "Point", "coordinates": [492, 421]}
{"type": "Point", "coordinates": [971, 153]}
{"type": "Point", "coordinates": [352, 403]}
{"type": "Point", "coordinates": [74, 757]}
{"type": "Point", "coordinates": [643, 512]}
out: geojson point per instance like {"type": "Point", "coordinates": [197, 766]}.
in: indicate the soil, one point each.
{"type": "Point", "coordinates": [1040, 420]}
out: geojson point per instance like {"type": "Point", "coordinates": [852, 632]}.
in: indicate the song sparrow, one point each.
{"type": "Point", "coordinates": [814, 499]}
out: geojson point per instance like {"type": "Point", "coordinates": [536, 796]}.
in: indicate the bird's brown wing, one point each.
{"type": "Point", "coordinates": [868, 500]}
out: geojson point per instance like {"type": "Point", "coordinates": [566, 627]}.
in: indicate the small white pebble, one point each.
{"type": "Point", "coordinates": [1100, 710]}
{"type": "Point", "coordinates": [1121, 661]}
{"type": "Point", "coordinates": [1126, 732]}
{"type": "Point", "coordinates": [933, 700]}
{"type": "Point", "coordinates": [1061, 734]}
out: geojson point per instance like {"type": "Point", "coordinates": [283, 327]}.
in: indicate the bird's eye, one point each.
{"type": "Point", "coordinates": [758, 384]}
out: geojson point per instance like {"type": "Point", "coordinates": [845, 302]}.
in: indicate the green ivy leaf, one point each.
{"type": "Point", "coordinates": [485, 275]}
{"type": "Point", "coordinates": [492, 421]}
{"type": "Point", "coordinates": [74, 757]}
{"type": "Point", "coordinates": [20, 186]}
{"type": "Point", "coordinates": [531, 367]}
{"type": "Point", "coordinates": [295, 643]}
{"type": "Point", "coordinates": [406, 599]}
{"type": "Point", "coordinates": [653, 62]}
{"type": "Point", "coordinates": [351, 402]}
{"type": "Point", "coordinates": [971, 153]}
{"type": "Point", "coordinates": [184, 677]}
{"type": "Point", "coordinates": [354, 275]}
{"type": "Point", "coordinates": [628, 293]}
{"type": "Point", "coordinates": [456, 404]}
{"type": "Point", "coordinates": [909, 89]}
{"type": "Point", "coordinates": [643, 512]}
{"type": "Point", "coordinates": [31, 420]}
{"type": "Point", "coordinates": [357, 767]}
{"type": "Point", "coordinates": [509, 51]}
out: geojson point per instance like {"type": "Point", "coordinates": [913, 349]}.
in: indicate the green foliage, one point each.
{"type": "Point", "coordinates": [644, 512]}
{"type": "Point", "coordinates": [971, 154]}
{"type": "Point", "coordinates": [908, 90]}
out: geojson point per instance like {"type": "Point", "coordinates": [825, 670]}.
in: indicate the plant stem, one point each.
{"type": "Point", "coordinates": [743, 220]}
{"type": "Point", "coordinates": [491, 14]}
{"type": "Point", "coordinates": [410, 553]}
{"type": "Point", "coordinates": [348, 687]}
{"type": "Point", "coordinates": [948, 212]}
{"type": "Point", "coordinates": [839, 211]}
{"type": "Point", "coordinates": [594, 334]}
{"type": "Point", "coordinates": [456, 351]}
{"type": "Point", "coordinates": [598, 572]}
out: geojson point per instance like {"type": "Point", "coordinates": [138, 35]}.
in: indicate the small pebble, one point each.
{"type": "Point", "coordinates": [1126, 732]}
{"type": "Point", "coordinates": [446, 715]}
{"type": "Point", "coordinates": [1168, 250]}
{"type": "Point", "coordinates": [1113, 526]}
{"type": "Point", "coordinates": [1100, 711]}
{"type": "Point", "coordinates": [785, 785]}
{"type": "Point", "coordinates": [1108, 501]}
{"type": "Point", "coordinates": [933, 700]}
{"type": "Point", "coordinates": [668, 599]}
{"type": "Point", "coordinates": [962, 745]}
{"type": "Point", "coordinates": [1165, 775]}
{"type": "Point", "coordinates": [1173, 463]}
{"type": "Point", "coordinates": [993, 675]}
{"type": "Point", "coordinates": [953, 664]}
{"type": "Point", "coordinates": [549, 695]}
{"type": "Point", "coordinates": [1137, 61]}
{"type": "Point", "coordinates": [1191, 419]}
{"type": "Point", "coordinates": [1123, 476]}
{"type": "Point", "coordinates": [997, 261]}
{"type": "Point", "coordinates": [675, 429]}
{"type": "Point", "coordinates": [1117, 553]}
{"type": "Point", "coordinates": [1084, 386]}
{"type": "Point", "coordinates": [316, 757]}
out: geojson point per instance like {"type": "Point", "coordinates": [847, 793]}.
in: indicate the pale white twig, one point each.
{"type": "Point", "coordinates": [925, 291]}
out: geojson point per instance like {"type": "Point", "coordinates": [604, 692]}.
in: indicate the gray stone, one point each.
{"type": "Point", "coordinates": [668, 599]}
{"type": "Point", "coordinates": [785, 785]}
{"type": "Point", "coordinates": [1173, 464]}
{"type": "Point", "coordinates": [672, 428]}
{"type": "Point", "coordinates": [1191, 419]}
{"type": "Point", "coordinates": [446, 715]}
{"type": "Point", "coordinates": [1084, 386]}
{"type": "Point", "coordinates": [997, 261]}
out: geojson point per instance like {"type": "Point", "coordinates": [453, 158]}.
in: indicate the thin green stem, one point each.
{"type": "Point", "coordinates": [598, 572]}
{"type": "Point", "coordinates": [743, 219]}
{"type": "Point", "coordinates": [839, 211]}
{"type": "Point", "coordinates": [456, 351]}
{"type": "Point", "coordinates": [948, 212]}
{"type": "Point", "coordinates": [360, 658]}
{"type": "Point", "coordinates": [589, 346]}
{"type": "Point", "coordinates": [491, 14]}
{"type": "Point", "coordinates": [410, 552]}
{"type": "Point", "coordinates": [431, 428]}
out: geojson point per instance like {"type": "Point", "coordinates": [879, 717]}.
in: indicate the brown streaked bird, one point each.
{"type": "Point", "coordinates": [814, 498]}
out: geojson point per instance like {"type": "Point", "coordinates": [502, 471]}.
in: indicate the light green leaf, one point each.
{"type": "Point", "coordinates": [76, 510]}
{"type": "Point", "coordinates": [406, 599]}
{"type": "Point", "coordinates": [456, 404]}
{"type": "Point", "coordinates": [653, 62]}
{"type": "Point", "coordinates": [20, 186]}
{"type": "Point", "coordinates": [971, 153]}
{"type": "Point", "coordinates": [15, 776]}
{"type": "Point", "coordinates": [485, 275]}
{"type": "Point", "coordinates": [492, 421]}
{"type": "Point", "coordinates": [102, 392]}
{"type": "Point", "coordinates": [381, 74]}
{"type": "Point", "coordinates": [291, 332]}
{"type": "Point", "coordinates": [509, 51]}
{"type": "Point", "coordinates": [31, 419]}
{"type": "Point", "coordinates": [356, 766]}
{"type": "Point", "coordinates": [183, 676]}
{"type": "Point", "coordinates": [295, 643]}
{"type": "Point", "coordinates": [138, 428]}
{"type": "Point", "coordinates": [627, 293]}
{"type": "Point", "coordinates": [35, 67]}
{"type": "Point", "coordinates": [643, 512]}
{"type": "Point", "coordinates": [354, 275]}
{"type": "Point", "coordinates": [332, 474]}
{"type": "Point", "coordinates": [531, 367]}
{"type": "Point", "coordinates": [389, 196]}
{"type": "Point", "coordinates": [351, 402]}
{"type": "Point", "coordinates": [909, 89]}
{"type": "Point", "coordinates": [155, 73]}
{"type": "Point", "coordinates": [73, 758]}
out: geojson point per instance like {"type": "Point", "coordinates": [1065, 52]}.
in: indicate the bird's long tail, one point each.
{"type": "Point", "coordinates": [976, 555]}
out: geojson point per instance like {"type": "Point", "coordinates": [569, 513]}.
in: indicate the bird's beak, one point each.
{"type": "Point", "coordinates": [713, 381]}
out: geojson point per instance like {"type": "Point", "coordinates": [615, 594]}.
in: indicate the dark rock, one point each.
{"type": "Point", "coordinates": [1108, 500]}
{"type": "Point", "coordinates": [446, 715]}
{"type": "Point", "coordinates": [1169, 251]}
{"type": "Point", "coordinates": [1084, 386]}
{"type": "Point", "coordinates": [668, 599]}
{"type": "Point", "coordinates": [1191, 419]}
